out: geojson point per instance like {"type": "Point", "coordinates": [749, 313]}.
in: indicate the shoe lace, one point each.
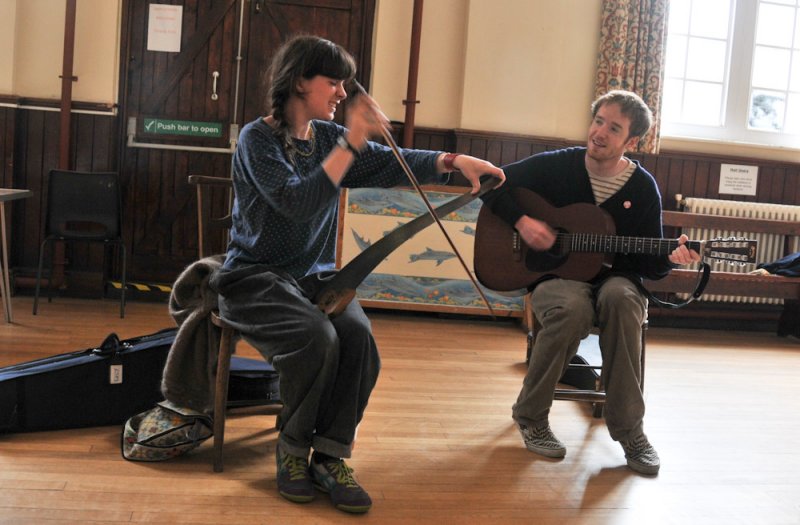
{"type": "Point", "coordinates": [297, 466]}
{"type": "Point", "coordinates": [343, 473]}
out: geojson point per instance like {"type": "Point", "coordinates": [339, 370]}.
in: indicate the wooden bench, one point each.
{"type": "Point", "coordinates": [729, 282]}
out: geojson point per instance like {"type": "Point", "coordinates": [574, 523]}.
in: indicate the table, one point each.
{"type": "Point", "coordinates": [7, 194]}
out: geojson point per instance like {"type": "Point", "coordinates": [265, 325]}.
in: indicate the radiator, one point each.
{"type": "Point", "coordinates": [770, 246]}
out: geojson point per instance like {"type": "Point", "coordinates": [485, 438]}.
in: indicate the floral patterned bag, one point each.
{"type": "Point", "coordinates": [164, 432]}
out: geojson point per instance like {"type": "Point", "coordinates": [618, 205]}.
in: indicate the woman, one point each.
{"type": "Point", "coordinates": [288, 169]}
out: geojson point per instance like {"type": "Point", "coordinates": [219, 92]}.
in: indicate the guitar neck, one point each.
{"type": "Point", "coordinates": [598, 243]}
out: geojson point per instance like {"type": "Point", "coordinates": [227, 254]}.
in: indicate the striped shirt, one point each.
{"type": "Point", "coordinates": [605, 187]}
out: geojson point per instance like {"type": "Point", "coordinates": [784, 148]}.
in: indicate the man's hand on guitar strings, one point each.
{"type": "Point", "coordinates": [536, 234]}
{"type": "Point", "coordinates": [682, 255]}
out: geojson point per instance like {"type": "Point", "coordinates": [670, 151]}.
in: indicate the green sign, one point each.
{"type": "Point", "coordinates": [159, 126]}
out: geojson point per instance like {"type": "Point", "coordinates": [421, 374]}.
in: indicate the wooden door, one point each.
{"type": "Point", "coordinates": [182, 110]}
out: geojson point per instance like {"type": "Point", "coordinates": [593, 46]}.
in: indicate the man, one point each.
{"type": "Point", "coordinates": [567, 309]}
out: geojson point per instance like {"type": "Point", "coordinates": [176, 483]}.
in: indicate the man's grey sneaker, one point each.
{"type": "Point", "coordinates": [641, 455]}
{"type": "Point", "coordinates": [294, 482]}
{"type": "Point", "coordinates": [336, 478]}
{"type": "Point", "coordinates": [542, 441]}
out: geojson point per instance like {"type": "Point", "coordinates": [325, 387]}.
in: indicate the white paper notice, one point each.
{"type": "Point", "coordinates": [737, 179]}
{"type": "Point", "coordinates": [164, 28]}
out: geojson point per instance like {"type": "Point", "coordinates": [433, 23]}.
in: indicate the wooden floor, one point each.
{"type": "Point", "coordinates": [438, 444]}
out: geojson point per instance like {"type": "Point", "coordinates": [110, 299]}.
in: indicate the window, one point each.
{"type": "Point", "coordinates": [733, 71]}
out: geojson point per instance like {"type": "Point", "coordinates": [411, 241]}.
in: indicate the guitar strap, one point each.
{"type": "Point", "coordinates": [703, 274]}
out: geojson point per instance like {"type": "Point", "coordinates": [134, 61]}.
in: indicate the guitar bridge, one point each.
{"type": "Point", "coordinates": [516, 247]}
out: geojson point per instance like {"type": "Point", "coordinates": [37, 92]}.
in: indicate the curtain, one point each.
{"type": "Point", "coordinates": [633, 36]}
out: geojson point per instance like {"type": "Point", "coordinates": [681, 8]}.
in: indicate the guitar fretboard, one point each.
{"type": "Point", "coordinates": [598, 243]}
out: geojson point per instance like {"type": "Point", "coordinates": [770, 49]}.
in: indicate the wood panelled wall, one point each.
{"type": "Point", "coordinates": [689, 174]}
{"type": "Point", "coordinates": [30, 149]}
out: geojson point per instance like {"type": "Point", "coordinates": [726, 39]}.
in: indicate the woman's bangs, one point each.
{"type": "Point", "coordinates": [333, 62]}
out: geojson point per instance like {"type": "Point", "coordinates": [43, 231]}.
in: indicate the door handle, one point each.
{"type": "Point", "coordinates": [215, 76]}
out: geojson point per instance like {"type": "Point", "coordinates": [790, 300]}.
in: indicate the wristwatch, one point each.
{"type": "Point", "coordinates": [342, 143]}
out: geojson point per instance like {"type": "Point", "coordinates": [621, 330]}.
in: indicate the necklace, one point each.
{"type": "Point", "coordinates": [313, 145]}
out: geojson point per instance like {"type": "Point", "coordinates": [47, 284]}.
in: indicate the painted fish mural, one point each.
{"type": "Point", "coordinates": [432, 255]}
{"type": "Point", "coordinates": [387, 232]}
{"type": "Point", "coordinates": [361, 242]}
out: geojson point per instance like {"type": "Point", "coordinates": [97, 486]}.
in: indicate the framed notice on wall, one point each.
{"type": "Point", "coordinates": [423, 273]}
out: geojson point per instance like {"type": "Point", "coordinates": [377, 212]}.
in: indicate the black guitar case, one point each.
{"type": "Point", "coordinates": [108, 384]}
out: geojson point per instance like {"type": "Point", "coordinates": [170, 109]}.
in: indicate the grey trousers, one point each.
{"type": "Point", "coordinates": [327, 366]}
{"type": "Point", "coordinates": [567, 311]}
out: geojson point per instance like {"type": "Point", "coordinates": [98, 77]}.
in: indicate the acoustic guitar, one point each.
{"type": "Point", "coordinates": [585, 245]}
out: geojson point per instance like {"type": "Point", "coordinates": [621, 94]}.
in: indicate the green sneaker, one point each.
{"type": "Point", "coordinates": [294, 482]}
{"type": "Point", "coordinates": [336, 478]}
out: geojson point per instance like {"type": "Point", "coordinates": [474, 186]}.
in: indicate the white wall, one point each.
{"type": "Point", "coordinates": [441, 60]}
{"type": "Point", "coordinates": [530, 66]}
{"type": "Point", "coordinates": [495, 65]}
{"type": "Point", "coordinates": [33, 35]}
{"type": "Point", "coordinates": [8, 14]}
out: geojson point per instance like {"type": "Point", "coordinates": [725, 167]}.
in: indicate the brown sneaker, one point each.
{"type": "Point", "coordinates": [294, 482]}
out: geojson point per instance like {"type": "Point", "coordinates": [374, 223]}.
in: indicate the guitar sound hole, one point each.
{"type": "Point", "coordinates": [543, 261]}
{"type": "Point", "coordinates": [549, 260]}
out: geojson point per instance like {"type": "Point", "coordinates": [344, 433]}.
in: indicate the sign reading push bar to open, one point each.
{"type": "Point", "coordinates": [158, 126]}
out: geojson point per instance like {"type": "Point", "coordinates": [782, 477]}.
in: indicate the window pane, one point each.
{"type": "Point", "coordinates": [793, 114]}
{"type": "Point", "coordinates": [794, 78]}
{"type": "Point", "coordinates": [700, 67]}
{"type": "Point", "coordinates": [676, 57]}
{"type": "Point", "coordinates": [797, 31]}
{"type": "Point", "coordinates": [706, 60]}
{"type": "Point", "coordinates": [766, 110]}
{"type": "Point", "coordinates": [710, 18]}
{"type": "Point", "coordinates": [702, 103]}
{"type": "Point", "coordinates": [672, 100]}
{"type": "Point", "coordinates": [679, 16]}
{"type": "Point", "coordinates": [771, 68]}
{"type": "Point", "coordinates": [775, 25]}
